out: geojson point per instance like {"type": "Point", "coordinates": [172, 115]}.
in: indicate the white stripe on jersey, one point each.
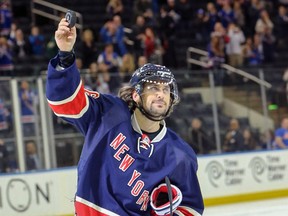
{"type": "Point", "coordinates": [93, 206]}
{"type": "Point", "coordinates": [69, 99]}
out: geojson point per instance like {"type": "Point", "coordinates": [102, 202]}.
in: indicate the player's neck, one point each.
{"type": "Point", "coordinates": [146, 124]}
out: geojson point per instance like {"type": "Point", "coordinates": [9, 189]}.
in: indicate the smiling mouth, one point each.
{"type": "Point", "coordinates": [160, 105]}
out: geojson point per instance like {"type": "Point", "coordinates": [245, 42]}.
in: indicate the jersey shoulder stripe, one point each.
{"type": "Point", "coordinates": [86, 208]}
{"type": "Point", "coordinates": [74, 106]}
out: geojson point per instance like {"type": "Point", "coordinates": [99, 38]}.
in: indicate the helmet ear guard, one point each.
{"type": "Point", "coordinates": [138, 88]}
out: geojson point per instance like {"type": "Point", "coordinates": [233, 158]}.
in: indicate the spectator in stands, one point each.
{"type": "Point", "coordinates": [226, 14]}
{"type": "Point", "coordinates": [32, 159]}
{"type": "Point", "coordinates": [216, 51]}
{"type": "Point", "coordinates": [5, 119]}
{"type": "Point", "coordinates": [249, 142]}
{"type": "Point", "coordinates": [12, 33]}
{"type": "Point", "coordinates": [253, 51]}
{"type": "Point", "coordinates": [264, 24]}
{"type": "Point", "coordinates": [212, 15]}
{"type": "Point", "coordinates": [200, 22]}
{"type": "Point", "coordinates": [51, 48]}
{"type": "Point", "coordinates": [108, 31]}
{"type": "Point", "coordinates": [171, 7]}
{"type": "Point", "coordinates": [21, 46]}
{"type": "Point", "coordinates": [138, 30]}
{"type": "Point", "coordinates": [112, 32]}
{"type": "Point", "coordinates": [6, 18]}
{"type": "Point", "coordinates": [37, 42]}
{"type": "Point", "coordinates": [198, 138]}
{"type": "Point", "coordinates": [87, 48]}
{"type": "Point", "coordinates": [234, 46]}
{"type": "Point", "coordinates": [114, 7]}
{"type": "Point", "coordinates": [258, 49]}
{"type": "Point", "coordinates": [120, 36]}
{"type": "Point", "coordinates": [6, 60]}
{"type": "Point", "coordinates": [234, 140]}
{"type": "Point", "coordinates": [167, 29]}
{"type": "Point", "coordinates": [28, 101]}
{"type": "Point", "coordinates": [143, 8]}
{"type": "Point", "coordinates": [152, 46]}
{"type": "Point", "coordinates": [281, 135]}
{"type": "Point", "coordinates": [268, 43]}
{"type": "Point", "coordinates": [4, 157]}
{"type": "Point", "coordinates": [220, 35]}
{"type": "Point", "coordinates": [247, 50]}
{"type": "Point", "coordinates": [127, 68]}
{"type": "Point", "coordinates": [253, 14]}
{"type": "Point", "coordinates": [285, 79]}
{"type": "Point", "coordinates": [185, 10]}
{"type": "Point", "coordinates": [267, 139]}
{"type": "Point", "coordinates": [142, 60]}
{"type": "Point", "coordinates": [239, 15]}
{"type": "Point", "coordinates": [281, 26]}
{"type": "Point", "coordinates": [97, 79]}
{"type": "Point", "coordinates": [110, 62]}
{"type": "Point", "coordinates": [90, 77]}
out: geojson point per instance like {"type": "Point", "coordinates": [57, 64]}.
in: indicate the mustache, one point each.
{"type": "Point", "coordinates": [159, 100]}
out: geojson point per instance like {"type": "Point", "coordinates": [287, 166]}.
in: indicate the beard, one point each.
{"type": "Point", "coordinates": [157, 109]}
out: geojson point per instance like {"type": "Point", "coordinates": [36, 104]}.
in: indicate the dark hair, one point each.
{"type": "Point", "coordinates": [125, 93]}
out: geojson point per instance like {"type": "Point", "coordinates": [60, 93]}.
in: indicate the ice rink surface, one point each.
{"type": "Point", "coordinates": [271, 207]}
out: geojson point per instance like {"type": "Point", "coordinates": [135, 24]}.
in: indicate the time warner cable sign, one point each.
{"type": "Point", "coordinates": [38, 193]}
{"type": "Point", "coordinates": [232, 174]}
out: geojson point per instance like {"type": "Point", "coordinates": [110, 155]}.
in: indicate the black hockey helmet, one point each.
{"type": "Point", "coordinates": [153, 73]}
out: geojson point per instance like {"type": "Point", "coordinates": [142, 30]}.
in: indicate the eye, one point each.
{"type": "Point", "coordinates": [166, 90]}
{"type": "Point", "coordinates": [153, 88]}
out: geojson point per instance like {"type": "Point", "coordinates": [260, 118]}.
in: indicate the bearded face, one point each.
{"type": "Point", "coordinates": [156, 99]}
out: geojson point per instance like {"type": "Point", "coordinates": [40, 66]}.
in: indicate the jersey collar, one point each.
{"type": "Point", "coordinates": [136, 127]}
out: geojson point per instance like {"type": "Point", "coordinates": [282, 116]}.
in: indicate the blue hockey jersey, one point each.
{"type": "Point", "coordinates": [116, 175]}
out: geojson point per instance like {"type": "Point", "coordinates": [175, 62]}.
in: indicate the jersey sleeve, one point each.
{"type": "Point", "coordinates": [67, 97]}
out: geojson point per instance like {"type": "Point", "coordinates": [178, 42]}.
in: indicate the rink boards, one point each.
{"type": "Point", "coordinates": [224, 178]}
{"type": "Point", "coordinates": [229, 178]}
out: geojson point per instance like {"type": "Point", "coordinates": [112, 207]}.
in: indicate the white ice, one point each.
{"type": "Point", "coordinates": [271, 207]}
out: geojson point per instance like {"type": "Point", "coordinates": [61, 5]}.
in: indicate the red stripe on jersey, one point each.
{"type": "Point", "coordinates": [84, 210]}
{"type": "Point", "coordinates": [70, 107]}
{"type": "Point", "coordinates": [184, 211]}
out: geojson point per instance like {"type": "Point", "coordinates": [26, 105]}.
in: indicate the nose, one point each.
{"type": "Point", "coordinates": [160, 93]}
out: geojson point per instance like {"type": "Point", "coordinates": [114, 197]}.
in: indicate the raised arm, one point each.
{"type": "Point", "coordinates": [64, 89]}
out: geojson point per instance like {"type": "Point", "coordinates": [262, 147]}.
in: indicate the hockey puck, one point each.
{"type": "Point", "coordinates": [71, 18]}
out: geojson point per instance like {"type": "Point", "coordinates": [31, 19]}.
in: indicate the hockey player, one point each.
{"type": "Point", "coordinates": [128, 151]}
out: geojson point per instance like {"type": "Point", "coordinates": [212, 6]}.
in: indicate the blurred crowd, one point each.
{"type": "Point", "coordinates": [238, 32]}
{"type": "Point", "coordinates": [237, 138]}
